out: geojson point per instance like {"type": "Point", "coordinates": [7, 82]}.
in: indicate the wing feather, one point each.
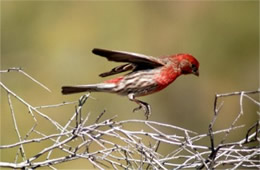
{"type": "Point", "coordinates": [121, 56]}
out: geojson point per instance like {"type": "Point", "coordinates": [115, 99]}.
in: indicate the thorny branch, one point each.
{"type": "Point", "coordinates": [112, 144]}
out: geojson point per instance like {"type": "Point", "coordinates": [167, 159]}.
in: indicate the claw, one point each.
{"type": "Point", "coordinates": [137, 108]}
{"type": "Point", "coordinates": [148, 111]}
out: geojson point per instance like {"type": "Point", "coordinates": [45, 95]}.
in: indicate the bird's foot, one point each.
{"type": "Point", "coordinates": [146, 107]}
{"type": "Point", "coordinates": [142, 105]}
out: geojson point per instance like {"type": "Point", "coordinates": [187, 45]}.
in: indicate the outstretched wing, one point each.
{"type": "Point", "coordinates": [134, 58]}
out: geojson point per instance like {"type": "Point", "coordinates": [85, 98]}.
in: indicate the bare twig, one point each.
{"type": "Point", "coordinates": [111, 143]}
{"type": "Point", "coordinates": [19, 69]}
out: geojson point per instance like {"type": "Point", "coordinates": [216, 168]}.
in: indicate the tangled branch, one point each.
{"type": "Point", "coordinates": [115, 144]}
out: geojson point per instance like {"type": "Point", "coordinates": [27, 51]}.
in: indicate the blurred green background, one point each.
{"type": "Point", "coordinates": [52, 41]}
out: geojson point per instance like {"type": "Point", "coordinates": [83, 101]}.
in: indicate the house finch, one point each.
{"type": "Point", "coordinates": [148, 75]}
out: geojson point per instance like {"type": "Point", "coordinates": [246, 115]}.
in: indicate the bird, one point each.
{"type": "Point", "coordinates": [145, 75]}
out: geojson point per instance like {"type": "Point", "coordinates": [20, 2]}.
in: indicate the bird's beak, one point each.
{"type": "Point", "coordinates": [196, 73]}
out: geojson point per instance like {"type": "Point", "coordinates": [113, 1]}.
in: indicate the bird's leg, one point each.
{"type": "Point", "coordinates": [142, 105]}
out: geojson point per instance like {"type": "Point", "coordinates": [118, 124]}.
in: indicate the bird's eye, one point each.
{"type": "Point", "coordinates": [194, 67]}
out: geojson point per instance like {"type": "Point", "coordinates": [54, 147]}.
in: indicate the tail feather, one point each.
{"type": "Point", "coordinates": [102, 87]}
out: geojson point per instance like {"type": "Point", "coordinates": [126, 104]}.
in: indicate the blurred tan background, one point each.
{"type": "Point", "coordinates": [52, 41]}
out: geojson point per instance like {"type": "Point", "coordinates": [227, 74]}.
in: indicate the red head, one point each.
{"type": "Point", "coordinates": [188, 64]}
